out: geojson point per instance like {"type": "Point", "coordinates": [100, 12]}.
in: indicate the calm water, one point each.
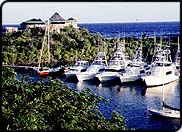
{"type": "Point", "coordinates": [132, 100]}
{"type": "Point", "coordinates": [111, 30]}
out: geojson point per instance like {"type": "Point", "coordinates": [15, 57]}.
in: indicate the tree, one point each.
{"type": "Point", "coordinates": [29, 105]}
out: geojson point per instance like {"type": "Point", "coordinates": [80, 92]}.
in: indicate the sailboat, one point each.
{"type": "Point", "coordinates": [166, 111]}
{"type": "Point", "coordinates": [44, 71]}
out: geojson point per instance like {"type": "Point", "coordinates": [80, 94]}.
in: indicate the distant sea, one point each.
{"type": "Point", "coordinates": [112, 30]}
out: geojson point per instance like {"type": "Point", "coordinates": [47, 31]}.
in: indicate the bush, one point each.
{"type": "Point", "coordinates": [29, 105]}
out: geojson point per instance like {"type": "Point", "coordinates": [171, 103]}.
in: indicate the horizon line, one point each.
{"type": "Point", "coordinates": [108, 22]}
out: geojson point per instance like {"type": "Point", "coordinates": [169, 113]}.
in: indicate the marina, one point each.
{"type": "Point", "coordinates": [126, 85]}
{"type": "Point", "coordinates": [137, 74]}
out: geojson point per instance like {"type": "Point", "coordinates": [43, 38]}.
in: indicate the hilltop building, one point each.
{"type": "Point", "coordinates": [11, 29]}
{"type": "Point", "coordinates": [33, 23]}
{"type": "Point", "coordinates": [56, 22]}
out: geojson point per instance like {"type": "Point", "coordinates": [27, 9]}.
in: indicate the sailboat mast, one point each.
{"type": "Point", "coordinates": [42, 47]}
{"type": "Point", "coordinates": [48, 45]}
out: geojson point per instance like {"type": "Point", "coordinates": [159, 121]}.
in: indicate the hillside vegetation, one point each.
{"type": "Point", "coordinates": [23, 47]}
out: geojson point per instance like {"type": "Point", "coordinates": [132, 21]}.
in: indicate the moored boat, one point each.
{"type": "Point", "coordinates": [43, 72]}
{"type": "Point", "coordinates": [163, 71]}
{"type": "Point", "coordinates": [116, 66]}
{"type": "Point", "coordinates": [97, 66]}
{"type": "Point", "coordinates": [135, 70]}
{"type": "Point", "coordinates": [80, 66]}
{"type": "Point", "coordinates": [165, 112]}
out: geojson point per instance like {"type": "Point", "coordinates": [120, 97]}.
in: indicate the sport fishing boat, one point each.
{"type": "Point", "coordinates": [135, 70]}
{"type": "Point", "coordinates": [116, 66]}
{"type": "Point", "coordinates": [80, 66]}
{"type": "Point", "coordinates": [97, 66]}
{"type": "Point", "coordinates": [163, 71]}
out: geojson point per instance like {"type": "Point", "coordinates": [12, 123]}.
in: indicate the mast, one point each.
{"type": "Point", "coordinates": [42, 47]}
{"type": "Point", "coordinates": [48, 45]}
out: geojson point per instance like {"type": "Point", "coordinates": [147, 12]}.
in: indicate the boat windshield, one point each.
{"type": "Point", "coordinates": [161, 64]}
{"type": "Point", "coordinates": [114, 62]}
{"type": "Point", "coordinates": [111, 70]}
{"type": "Point", "coordinates": [74, 70]}
{"type": "Point", "coordinates": [94, 68]}
{"type": "Point", "coordinates": [98, 62]}
{"type": "Point", "coordinates": [81, 64]}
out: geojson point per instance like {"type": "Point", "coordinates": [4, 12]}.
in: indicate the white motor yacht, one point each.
{"type": "Point", "coordinates": [80, 66]}
{"type": "Point", "coordinates": [135, 70]}
{"type": "Point", "coordinates": [116, 66]}
{"type": "Point", "coordinates": [162, 72]}
{"type": "Point", "coordinates": [97, 66]}
{"type": "Point", "coordinates": [132, 73]}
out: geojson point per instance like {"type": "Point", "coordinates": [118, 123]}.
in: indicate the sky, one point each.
{"type": "Point", "coordinates": [92, 12]}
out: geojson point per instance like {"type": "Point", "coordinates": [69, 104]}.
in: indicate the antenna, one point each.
{"type": "Point", "coordinates": [169, 40]}
{"type": "Point", "coordinates": [154, 38]}
{"type": "Point", "coordinates": [124, 37]}
{"type": "Point", "coordinates": [163, 82]}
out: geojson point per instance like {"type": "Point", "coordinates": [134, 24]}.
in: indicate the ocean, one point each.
{"type": "Point", "coordinates": [112, 30]}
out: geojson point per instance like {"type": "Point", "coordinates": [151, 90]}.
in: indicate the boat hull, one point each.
{"type": "Point", "coordinates": [56, 73]}
{"type": "Point", "coordinates": [43, 73]}
{"type": "Point", "coordinates": [152, 81]}
{"type": "Point", "coordinates": [70, 75]}
{"type": "Point", "coordinates": [105, 77]}
{"type": "Point", "coordinates": [85, 76]}
{"type": "Point", "coordinates": [165, 113]}
{"type": "Point", "coordinates": [124, 79]}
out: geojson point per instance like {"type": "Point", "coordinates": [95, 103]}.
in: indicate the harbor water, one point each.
{"type": "Point", "coordinates": [131, 100]}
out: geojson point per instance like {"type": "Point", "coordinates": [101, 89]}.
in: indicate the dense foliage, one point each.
{"type": "Point", "coordinates": [29, 105]}
{"type": "Point", "coordinates": [23, 47]}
